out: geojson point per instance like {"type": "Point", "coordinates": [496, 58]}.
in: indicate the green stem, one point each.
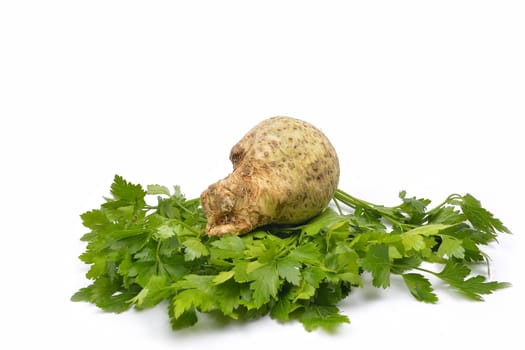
{"type": "Point", "coordinates": [338, 206]}
{"type": "Point", "coordinates": [425, 270]}
{"type": "Point", "coordinates": [182, 207]}
{"type": "Point", "coordinates": [158, 264]}
{"type": "Point", "coordinates": [354, 202]}
{"type": "Point", "coordinates": [445, 202]}
{"type": "Point", "coordinates": [182, 223]}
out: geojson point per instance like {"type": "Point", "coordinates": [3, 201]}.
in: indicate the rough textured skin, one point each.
{"type": "Point", "coordinates": [285, 171]}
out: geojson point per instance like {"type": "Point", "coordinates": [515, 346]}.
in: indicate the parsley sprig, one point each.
{"type": "Point", "coordinates": [142, 254]}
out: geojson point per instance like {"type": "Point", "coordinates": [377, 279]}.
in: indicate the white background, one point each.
{"type": "Point", "coordinates": [426, 96]}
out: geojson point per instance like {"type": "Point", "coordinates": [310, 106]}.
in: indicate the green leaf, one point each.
{"type": "Point", "coordinates": [153, 293]}
{"type": "Point", "coordinates": [377, 262]}
{"type": "Point", "coordinates": [184, 320]}
{"type": "Point", "coordinates": [223, 276]}
{"type": "Point", "coordinates": [414, 208]}
{"type": "Point", "coordinates": [265, 284]}
{"type": "Point", "coordinates": [98, 267]}
{"type": "Point", "coordinates": [413, 242]}
{"type": "Point", "coordinates": [95, 220]}
{"type": "Point", "coordinates": [106, 294]}
{"type": "Point", "coordinates": [405, 264]}
{"type": "Point", "coordinates": [121, 189]}
{"type": "Point", "coordinates": [282, 309]}
{"type": "Point", "coordinates": [158, 189]}
{"type": "Point", "coordinates": [476, 286]}
{"type": "Point", "coordinates": [228, 297]}
{"type": "Point", "coordinates": [118, 302]}
{"type": "Point", "coordinates": [228, 247]}
{"type": "Point", "coordinates": [346, 260]}
{"type": "Point", "coordinates": [164, 232]}
{"type": "Point", "coordinates": [139, 255]}
{"type": "Point", "coordinates": [323, 316]}
{"type": "Point", "coordinates": [451, 247]}
{"type": "Point", "coordinates": [194, 291]}
{"type": "Point", "coordinates": [479, 217]}
{"type": "Point", "coordinates": [455, 273]}
{"type": "Point", "coordinates": [331, 293]}
{"type": "Point", "coordinates": [420, 287]}
{"type": "Point", "coordinates": [194, 249]}
{"type": "Point", "coordinates": [307, 253]}
{"type": "Point", "coordinates": [144, 270]}
{"type": "Point", "coordinates": [323, 220]}
{"type": "Point", "coordinates": [241, 271]}
{"type": "Point", "coordinates": [195, 281]}
{"type": "Point", "coordinates": [311, 279]}
{"type": "Point", "coordinates": [290, 270]}
{"type": "Point", "coordinates": [305, 291]}
{"type": "Point", "coordinates": [446, 215]}
{"type": "Point", "coordinates": [185, 301]}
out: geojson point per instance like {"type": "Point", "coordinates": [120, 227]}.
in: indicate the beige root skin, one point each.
{"type": "Point", "coordinates": [285, 171]}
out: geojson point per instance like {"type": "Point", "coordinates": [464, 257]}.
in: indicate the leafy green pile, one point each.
{"type": "Point", "coordinates": [141, 254]}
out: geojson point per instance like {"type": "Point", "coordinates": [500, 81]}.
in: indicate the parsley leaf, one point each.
{"type": "Point", "coordinates": [265, 284]}
{"type": "Point", "coordinates": [290, 270]}
{"type": "Point", "coordinates": [479, 217]}
{"type": "Point", "coordinates": [451, 247]}
{"type": "Point", "coordinates": [194, 249]}
{"type": "Point", "coordinates": [125, 192]}
{"type": "Point", "coordinates": [140, 254]}
{"type": "Point", "coordinates": [325, 316]}
{"type": "Point", "coordinates": [378, 263]}
{"type": "Point", "coordinates": [455, 274]}
{"type": "Point", "coordinates": [420, 287]}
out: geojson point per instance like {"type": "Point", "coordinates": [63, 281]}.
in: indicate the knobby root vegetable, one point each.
{"type": "Point", "coordinates": [285, 171]}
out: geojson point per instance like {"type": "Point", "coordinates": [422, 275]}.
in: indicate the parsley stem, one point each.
{"type": "Point", "coordinates": [449, 200]}
{"type": "Point", "coordinates": [158, 261]}
{"type": "Point", "coordinates": [355, 203]}
{"type": "Point", "coordinates": [425, 270]}
{"type": "Point", "coordinates": [338, 206]}
{"type": "Point", "coordinates": [183, 207]}
{"type": "Point", "coordinates": [182, 223]}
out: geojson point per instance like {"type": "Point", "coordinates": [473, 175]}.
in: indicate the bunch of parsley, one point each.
{"type": "Point", "coordinates": [141, 255]}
